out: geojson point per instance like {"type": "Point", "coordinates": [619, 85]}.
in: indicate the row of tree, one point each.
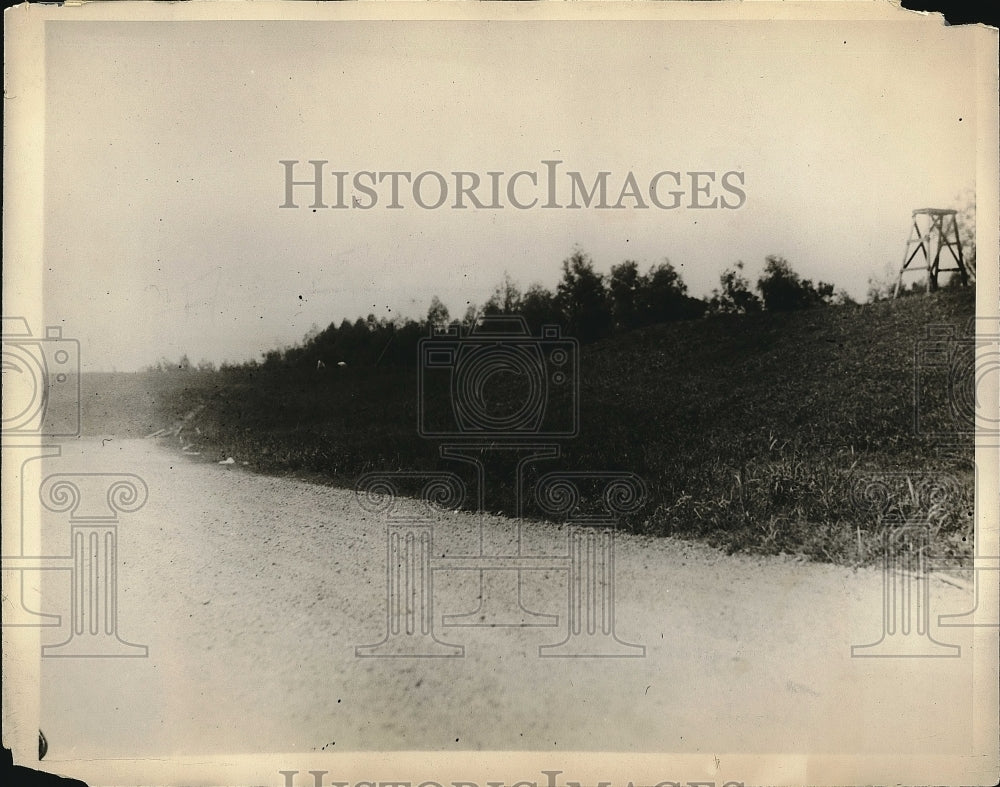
{"type": "Point", "coordinates": [591, 305]}
{"type": "Point", "coordinates": [586, 303]}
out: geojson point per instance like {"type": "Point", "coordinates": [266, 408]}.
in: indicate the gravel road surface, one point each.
{"type": "Point", "coordinates": [253, 592]}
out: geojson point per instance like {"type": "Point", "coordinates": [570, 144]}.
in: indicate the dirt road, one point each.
{"type": "Point", "coordinates": [252, 594]}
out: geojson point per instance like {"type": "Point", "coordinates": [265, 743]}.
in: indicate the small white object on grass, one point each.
{"type": "Point", "coordinates": [228, 461]}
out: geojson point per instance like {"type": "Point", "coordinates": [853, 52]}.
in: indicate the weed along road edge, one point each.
{"type": "Point", "coordinates": [254, 593]}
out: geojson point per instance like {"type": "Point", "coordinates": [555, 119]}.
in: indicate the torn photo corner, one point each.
{"type": "Point", "coordinates": [548, 394]}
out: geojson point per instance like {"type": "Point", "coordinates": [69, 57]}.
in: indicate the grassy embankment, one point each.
{"type": "Point", "coordinates": [751, 432]}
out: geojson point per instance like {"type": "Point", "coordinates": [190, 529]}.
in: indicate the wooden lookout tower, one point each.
{"type": "Point", "coordinates": [934, 230]}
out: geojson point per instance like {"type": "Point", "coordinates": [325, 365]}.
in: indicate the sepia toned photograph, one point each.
{"type": "Point", "coordinates": [501, 395]}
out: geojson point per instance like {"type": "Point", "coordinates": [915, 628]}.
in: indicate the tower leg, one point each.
{"type": "Point", "coordinates": [954, 242]}
{"type": "Point", "coordinates": [934, 235]}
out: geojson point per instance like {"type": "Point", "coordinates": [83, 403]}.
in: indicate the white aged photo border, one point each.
{"type": "Point", "coordinates": [23, 220]}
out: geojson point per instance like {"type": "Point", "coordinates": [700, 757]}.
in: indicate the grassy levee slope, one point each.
{"type": "Point", "coordinates": [750, 431]}
{"type": "Point", "coordinates": [754, 431]}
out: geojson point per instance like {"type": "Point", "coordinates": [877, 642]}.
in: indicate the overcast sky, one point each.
{"type": "Point", "coordinates": [163, 232]}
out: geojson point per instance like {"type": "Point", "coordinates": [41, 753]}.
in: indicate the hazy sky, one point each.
{"type": "Point", "coordinates": [163, 232]}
